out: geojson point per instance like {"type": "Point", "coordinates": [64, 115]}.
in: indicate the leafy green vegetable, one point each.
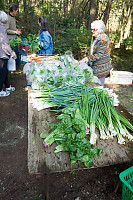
{"type": "Point", "coordinates": [33, 43]}
{"type": "Point", "coordinates": [69, 135]}
{"type": "Point", "coordinates": [95, 109]}
{"type": "Point", "coordinates": [15, 41]}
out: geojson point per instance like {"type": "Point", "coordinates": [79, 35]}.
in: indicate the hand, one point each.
{"type": "Point", "coordinates": [18, 32]}
{"type": "Point", "coordinates": [82, 61]}
{"type": "Point", "coordinates": [14, 57]}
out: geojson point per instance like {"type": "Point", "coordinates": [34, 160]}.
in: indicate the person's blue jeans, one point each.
{"type": "Point", "coordinates": [17, 54]}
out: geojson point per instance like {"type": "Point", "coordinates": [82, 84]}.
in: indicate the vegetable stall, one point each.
{"type": "Point", "coordinates": [72, 121]}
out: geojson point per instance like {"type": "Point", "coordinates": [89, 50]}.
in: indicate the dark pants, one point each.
{"type": "Point", "coordinates": [3, 74]}
{"type": "Point", "coordinates": [16, 50]}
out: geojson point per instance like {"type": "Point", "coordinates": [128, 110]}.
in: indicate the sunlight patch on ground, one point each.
{"type": "Point", "coordinates": [17, 132]}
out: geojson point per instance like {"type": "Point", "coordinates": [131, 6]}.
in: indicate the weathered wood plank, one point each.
{"type": "Point", "coordinates": [42, 159]}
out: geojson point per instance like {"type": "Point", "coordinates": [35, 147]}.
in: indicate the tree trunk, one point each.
{"type": "Point", "coordinates": [92, 15]}
{"type": "Point", "coordinates": [67, 6]}
{"type": "Point", "coordinates": [24, 3]}
{"type": "Point", "coordinates": [64, 7]}
{"type": "Point", "coordinates": [10, 2]}
{"type": "Point", "coordinates": [107, 11]}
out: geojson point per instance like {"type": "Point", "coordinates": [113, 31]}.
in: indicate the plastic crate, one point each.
{"type": "Point", "coordinates": [127, 183]}
{"type": "Point", "coordinates": [121, 77]}
{"type": "Point", "coordinates": [24, 48]}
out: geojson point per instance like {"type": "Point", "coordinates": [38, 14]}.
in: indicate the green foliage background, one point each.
{"type": "Point", "coordinates": [68, 20]}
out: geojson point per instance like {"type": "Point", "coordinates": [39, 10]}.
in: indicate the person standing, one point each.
{"type": "Point", "coordinates": [99, 58]}
{"type": "Point", "coordinates": [45, 39]}
{"type": "Point", "coordinates": [5, 53]}
{"type": "Point", "coordinates": [11, 28]}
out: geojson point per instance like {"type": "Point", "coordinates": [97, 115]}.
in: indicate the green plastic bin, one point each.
{"type": "Point", "coordinates": [127, 183]}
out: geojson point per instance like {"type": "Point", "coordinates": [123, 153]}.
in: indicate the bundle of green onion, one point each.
{"type": "Point", "coordinates": [96, 108]}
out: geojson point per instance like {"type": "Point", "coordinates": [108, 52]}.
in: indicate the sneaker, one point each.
{"type": "Point", "coordinates": [4, 93]}
{"type": "Point", "coordinates": [10, 89]}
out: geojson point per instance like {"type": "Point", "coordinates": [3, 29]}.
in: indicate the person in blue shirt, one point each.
{"type": "Point", "coordinates": [45, 39]}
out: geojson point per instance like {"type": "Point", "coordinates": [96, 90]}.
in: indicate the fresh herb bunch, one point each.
{"type": "Point", "coordinates": [69, 135]}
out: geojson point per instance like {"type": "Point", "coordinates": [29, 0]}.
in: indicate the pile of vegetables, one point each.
{"type": "Point", "coordinates": [54, 73]}
{"type": "Point", "coordinates": [98, 110]}
{"type": "Point", "coordinates": [35, 57]}
{"type": "Point", "coordinates": [95, 106]}
{"type": "Point", "coordinates": [31, 40]}
{"type": "Point", "coordinates": [84, 109]}
{"type": "Point", "coordinates": [15, 41]}
{"type": "Point", "coordinates": [33, 43]}
{"type": "Point", "coordinates": [69, 135]}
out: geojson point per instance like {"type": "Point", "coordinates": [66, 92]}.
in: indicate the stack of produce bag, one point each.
{"type": "Point", "coordinates": [54, 73]}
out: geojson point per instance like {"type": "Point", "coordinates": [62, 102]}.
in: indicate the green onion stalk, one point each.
{"type": "Point", "coordinates": [96, 108]}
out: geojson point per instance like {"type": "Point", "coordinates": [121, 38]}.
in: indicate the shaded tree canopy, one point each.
{"type": "Point", "coordinates": [117, 15]}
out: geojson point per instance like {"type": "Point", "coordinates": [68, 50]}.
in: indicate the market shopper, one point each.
{"type": "Point", "coordinates": [99, 58]}
{"type": "Point", "coordinates": [45, 39]}
{"type": "Point", "coordinates": [11, 28]}
{"type": "Point", "coordinates": [5, 53]}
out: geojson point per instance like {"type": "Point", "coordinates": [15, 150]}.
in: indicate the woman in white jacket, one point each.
{"type": "Point", "coordinates": [5, 53]}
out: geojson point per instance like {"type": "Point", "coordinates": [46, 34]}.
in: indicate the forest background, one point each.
{"type": "Point", "coordinates": [70, 21]}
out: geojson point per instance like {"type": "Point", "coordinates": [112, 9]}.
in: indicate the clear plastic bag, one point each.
{"type": "Point", "coordinates": [54, 73]}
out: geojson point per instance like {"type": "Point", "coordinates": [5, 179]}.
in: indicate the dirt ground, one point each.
{"type": "Point", "coordinates": [15, 181]}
